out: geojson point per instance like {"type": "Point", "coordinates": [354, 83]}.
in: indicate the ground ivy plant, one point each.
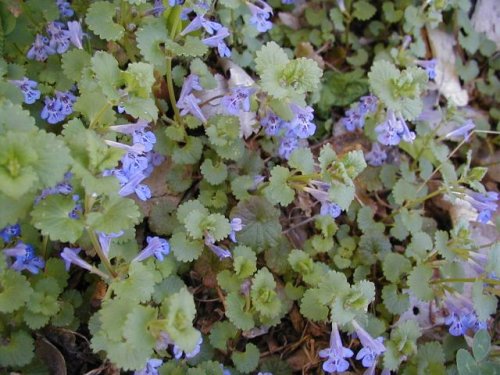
{"type": "Point", "coordinates": [248, 187]}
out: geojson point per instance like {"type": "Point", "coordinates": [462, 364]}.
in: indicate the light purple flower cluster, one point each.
{"type": "Point", "coordinates": [429, 66]}
{"type": "Point", "coordinates": [157, 247]}
{"type": "Point", "coordinates": [462, 316]}
{"type": "Point", "coordinates": [319, 190]}
{"type": "Point", "coordinates": [64, 8]}
{"type": "Point", "coordinates": [238, 100]}
{"type": "Point", "coordinates": [139, 161]}
{"type": "Point", "coordinates": [151, 367]}
{"type": "Point", "coordinates": [486, 204]}
{"type": "Point", "coordinates": [28, 88]}
{"type": "Point", "coordinates": [10, 232]}
{"type": "Point", "coordinates": [394, 130]}
{"type": "Point", "coordinates": [57, 108]}
{"type": "Point", "coordinates": [355, 117]}
{"type": "Point", "coordinates": [61, 37]}
{"type": "Point", "coordinates": [188, 103]}
{"type": "Point", "coordinates": [217, 40]}
{"type": "Point", "coordinates": [377, 156]}
{"type": "Point", "coordinates": [261, 14]}
{"type": "Point", "coordinates": [25, 258]}
{"type": "Point", "coordinates": [336, 354]}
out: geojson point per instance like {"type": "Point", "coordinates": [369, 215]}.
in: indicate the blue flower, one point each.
{"type": "Point", "coordinates": [64, 8]}
{"type": "Point", "coordinates": [158, 8]}
{"type": "Point", "coordinates": [25, 258]}
{"type": "Point", "coordinates": [394, 130]}
{"type": "Point", "coordinates": [372, 348]}
{"type": "Point", "coordinates": [377, 156]}
{"type": "Point", "coordinates": [70, 256]}
{"type": "Point", "coordinates": [52, 110]}
{"type": "Point", "coordinates": [368, 104]}
{"type": "Point", "coordinates": [201, 22]}
{"type": "Point", "coordinates": [9, 232]}
{"type": "Point", "coordinates": [75, 34]}
{"type": "Point", "coordinates": [302, 124]}
{"type": "Point", "coordinates": [462, 131]}
{"type": "Point", "coordinates": [28, 87]}
{"type": "Point", "coordinates": [272, 123]}
{"type": "Point", "coordinates": [355, 117]}
{"type": "Point", "coordinates": [429, 66]}
{"type": "Point", "coordinates": [287, 145]}
{"type": "Point", "coordinates": [336, 353]}
{"type": "Point", "coordinates": [40, 50]}
{"type": "Point", "coordinates": [59, 37]}
{"type": "Point", "coordinates": [178, 352]}
{"type": "Point", "coordinates": [330, 209]}
{"type": "Point", "coordinates": [217, 250]}
{"type": "Point", "coordinates": [217, 40]}
{"type": "Point", "coordinates": [236, 226]}
{"type": "Point", "coordinates": [486, 204]}
{"type": "Point", "coordinates": [66, 99]}
{"type": "Point", "coordinates": [238, 100]}
{"type": "Point", "coordinates": [105, 240]}
{"type": "Point", "coordinates": [151, 367]}
{"type": "Point", "coordinates": [261, 15]}
{"type": "Point", "coordinates": [157, 247]}
{"type": "Point", "coordinates": [462, 315]}
{"type": "Point", "coordinates": [192, 82]}
{"type": "Point", "coordinates": [189, 105]}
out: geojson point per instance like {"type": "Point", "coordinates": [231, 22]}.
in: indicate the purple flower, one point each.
{"type": "Point", "coordinates": [261, 15]}
{"type": "Point", "coordinates": [330, 209]}
{"type": "Point", "coordinates": [377, 156]}
{"type": "Point", "coordinates": [353, 119]}
{"type": "Point", "coordinates": [40, 50]}
{"type": "Point", "coordinates": [217, 40]}
{"type": "Point", "coordinates": [25, 258]}
{"type": "Point", "coordinates": [157, 247]}
{"type": "Point", "coordinates": [178, 352]}
{"type": "Point", "coordinates": [66, 99]}
{"type": "Point", "coordinates": [105, 240]}
{"type": "Point", "coordinates": [158, 8]}
{"type": "Point", "coordinates": [336, 353]}
{"type": "Point", "coordinates": [462, 315]}
{"type": "Point", "coordinates": [75, 33]}
{"type": "Point", "coordinates": [70, 256]}
{"type": "Point", "coordinates": [189, 105]}
{"type": "Point", "coordinates": [429, 66]}
{"type": "Point", "coordinates": [59, 37]}
{"type": "Point", "coordinates": [462, 131]}
{"type": "Point", "coordinates": [52, 110]}
{"type": "Point", "coordinates": [301, 124]}
{"type": "Point", "coordinates": [130, 183]}
{"type": "Point", "coordinates": [287, 145]}
{"type": "Point", "coordinates": [272, 123]}
{"type": "Point", "coordinates": [287, 2]}
{"type": "Point", "coordinates": [28, 87]}
{"type": "Point", "coordinates": [372, 348]}
{"type": "Point", "coordinates": [217, 250]}
{"type": "Point", "coordinates": [64, 8]}
{"type": "Point", "coordinates": [485, 204]}
{"type": "Point", "coordinates": [200, 21]}
{"type": "Point", "coordinates": [9, 232]}
{"type": "Point", "coordinates": [394, 130]}
{"type": "Point", "coordinates": [236, 226]}
{"type": "Point", "coordinates": [173, 3]}
{"type": "Point", "coordinates": [77, 210]}
{"type": "Point", "coordinates": [239, 99]}
{"type": "Point", "coordinates": [192, 82]}
{"type": "Point", "coordinates": [368, 104]}
{"type": "Point", "coordinates": [151, 368]}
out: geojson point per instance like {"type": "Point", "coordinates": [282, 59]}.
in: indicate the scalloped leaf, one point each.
{"type": "Point", "coordinates": [15, 290]}
{"type": "Point", "coordinates": [100, 20]}
{"type": "Point", "coordinates": [248, 360]}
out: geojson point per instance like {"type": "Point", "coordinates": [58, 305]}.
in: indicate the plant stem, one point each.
{"type": "Point", "coordinates": [99, 115]}
{"type": "Point", "coordinates": [170, 86]}
{"type": "Point", "coordinates": [100, 253]}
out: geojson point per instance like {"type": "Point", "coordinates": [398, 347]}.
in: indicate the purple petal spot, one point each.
{"type": "Point", "coordinates": [28, 88]}
{"type": "Point", "coordinates": [238, 100]}
{"type": "Point", "coordinates": [40, 50]}
{"type": "Point", "coordinates": [52, 111]}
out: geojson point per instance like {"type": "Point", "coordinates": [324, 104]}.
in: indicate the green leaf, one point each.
{"type": "Point", "coordinates": [404, 191]}
{"type": "Point", "coordinates": [245, 261]}
{"type": "Point", "coordinates": [73, 62]}
{"type": "Point", "coordinates": [149, 40]}
{"type": "Point", "coordinates": [15, 290]}
{"type": "Point", "coordinates": [363, 10]}
{"type": "Point", "coordinates": [235, 311]}
{"type": "Point", "coordinates": [17, 349]}
{"type": "Point", "coordinates": [481, 345]}
{"type": "Point", "coordinates": [270, 55]}
{"type": "Point", "coordinates": [221, 333]}
{"type": "Point", "coordinates": [107, 73]}
{"type": "Point", "coordinates": [302, 159]}
{"type": "Point", "coordinates": [190, 153]}
{"type": "Point", "coordinates": [90, 104]}
{"type": "Point", "coordinates": [484, 304]}
{"type": "Point", "coordinates": [418, 281]}
{"type": "Point", "coordinates": [184, 249]}
{"type": "Point", "coordinates": [466, 364]}
{"type": "Point", "coordinates": [343, 195]}
{"type": "Point", "coordinates": [248, 360]}
{"type": "Point", "coordinates": [356, 301]}
{"type": "Point", "coordinates": [214, 174]}
{"type": "Point", "coordinates": [51, 216]}
{"type": "Point", "coordinates": [312, 308]}
{"type": "Point", "coordinates": [278, 192]}
{"type": "Point", "coordinates": [395, 302]}
{"type": "Point", "coordinates": [139, 285]}
{"type": "Point", "coordinates": [260, 220]}
{"type": "Point", "coordinates": [391, 14]}
{"type": "Point", "coordinates": [135, 329]}
{"type": "Point", "coordinates": [100, 20]}
{"type": "Point", "coordinates": [264, 297]}
{"type": "Point", "coordinates": [117, 214]}
{"type": "Point", "coordinates": [395, 265]}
